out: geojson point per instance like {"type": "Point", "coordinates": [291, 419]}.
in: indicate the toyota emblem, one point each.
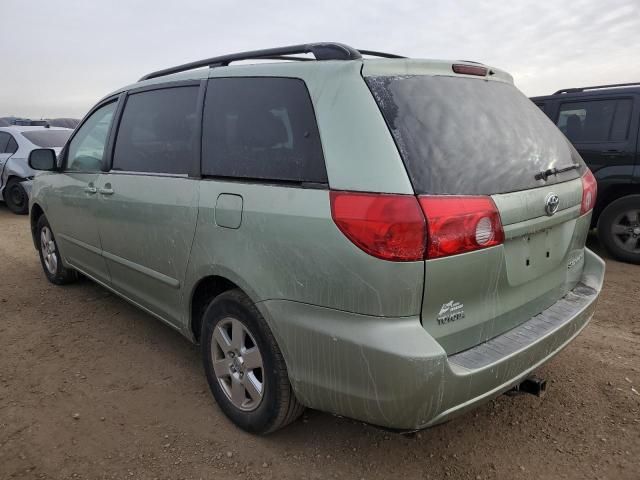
{"type": "Point", "coordinates": [552, 202]}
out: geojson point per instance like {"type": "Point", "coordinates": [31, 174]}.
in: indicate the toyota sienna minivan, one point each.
{"type": "Point", "coordinates": [388, 239]}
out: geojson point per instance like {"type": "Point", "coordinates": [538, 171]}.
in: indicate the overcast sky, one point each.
{"type": "Point", "coordinates": [60, 56]}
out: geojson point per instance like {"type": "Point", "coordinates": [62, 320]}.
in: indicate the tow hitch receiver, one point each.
{"type": "Point", "coordinates": [533, 385]}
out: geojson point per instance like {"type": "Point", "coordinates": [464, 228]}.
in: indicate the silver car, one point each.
{"type": "Point", "coordinates": [16, 142]}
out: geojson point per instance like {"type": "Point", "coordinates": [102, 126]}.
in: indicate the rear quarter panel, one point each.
{"type": "Point", "coordinates": [287, 247]}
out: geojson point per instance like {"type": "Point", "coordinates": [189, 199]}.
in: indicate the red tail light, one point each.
{"type": "Point", "coordinates": [459, 224]}
{"type": "Point", "coordinates": [390, 227]}
{"type": "Point", "coordinates": [589, 192]}
{"type": "Point", "coordinates": [393, 227]}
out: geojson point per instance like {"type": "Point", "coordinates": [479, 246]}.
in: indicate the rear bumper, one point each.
{"type": "Point", "coordinates": [391, 372]}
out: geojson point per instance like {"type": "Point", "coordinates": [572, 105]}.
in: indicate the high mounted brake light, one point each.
{"type": "Point", "coordinates": [469, 69]}
{"type": "Point", "coordinates": [405, 228]}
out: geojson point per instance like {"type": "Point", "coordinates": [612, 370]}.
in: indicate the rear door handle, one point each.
{"type": "Point", "coordinates": [106, 191]}
{"type": "Point", "coordinates": [91, 189]}
{"type": "Point", "coordinates": [612, 153]}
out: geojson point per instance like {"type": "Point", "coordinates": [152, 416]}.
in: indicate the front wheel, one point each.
{"type": "Point", "coordinates": [619, 228]}
{"type": "Point", "coordinates": [16, 198]}
{"type": "Point", "coordinates": [244, 366]}
{"type": "Point", "coordinates": [50, 255]}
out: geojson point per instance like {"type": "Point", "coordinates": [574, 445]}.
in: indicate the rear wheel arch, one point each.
{"type": "Point", "coordinates": [18, 177]}
{"type": "Point", "coordinates": [612, 194]}
{"type": "Point", "coordinates": [203, 293]}
{"type": "Point", "coordinates": [12, 177]}
{"type": "Point", "coordinates": [20, 203]}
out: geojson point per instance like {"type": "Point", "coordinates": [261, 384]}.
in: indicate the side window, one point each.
{"type": "Point", "coordinates": [4, 140]}
{"type": "Point", "coordinates": [621, 121]}
{"type": "Point", "coordinates": [158, 131]}
{"type": "Point", "coordinates": [595, 120]}
{"type": "Point", "coordinates": [86, 149]}
{"type": "Point", "coordinates": [12, 146]}
{"type": "Point", "coordinates": [261, 128]}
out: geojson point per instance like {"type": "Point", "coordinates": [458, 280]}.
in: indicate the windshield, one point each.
{"type": "Point", "coordinates": [48, 138]}
{"type": "Point", "coordinates": [470, 136]}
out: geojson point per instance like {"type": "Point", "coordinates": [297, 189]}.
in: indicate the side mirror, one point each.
{"type": "Point", "coordinates": [43, 159]}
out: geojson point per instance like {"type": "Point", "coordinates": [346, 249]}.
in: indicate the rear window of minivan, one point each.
{"type": "Point", "coordinates": [470, 136]}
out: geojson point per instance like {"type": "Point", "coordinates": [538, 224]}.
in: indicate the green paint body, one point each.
{"type": "Point", "coordinates": [360, 335]}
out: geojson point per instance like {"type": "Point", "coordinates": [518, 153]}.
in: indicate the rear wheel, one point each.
{"type": "Point", "coordinates": [619, 228]}
{"type": "Point", "coordinates": [16, 198]}
{"type": "Point", "coordinates": [244, 366]}
{"type": "Point", "coordinates": [50, 255]}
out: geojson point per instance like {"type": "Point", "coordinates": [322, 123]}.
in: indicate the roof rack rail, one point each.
{"type": "Point", "coordinates": [373, 53]}
{"type": "Point", "coordinates": [321, 51]}
{"type": "Point", "coordinates": [597, 87]}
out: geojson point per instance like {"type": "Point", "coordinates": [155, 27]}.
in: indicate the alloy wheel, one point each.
{"type": "Point", "coordinates": [48, 249]}
{"type": "Point", "coordinates": [626, 231]}
{"type": "Point", "coordinates": [237, 363]}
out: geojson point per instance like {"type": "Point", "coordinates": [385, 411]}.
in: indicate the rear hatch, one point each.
{"type": "Point", "coordinates": [463, 135]}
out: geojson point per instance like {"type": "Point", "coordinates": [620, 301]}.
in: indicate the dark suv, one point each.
{"type": "Point", "coordinates": [602, 123]}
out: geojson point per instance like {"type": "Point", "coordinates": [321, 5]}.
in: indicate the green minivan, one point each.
{"type": "Point", "coordinates": [388, 239]}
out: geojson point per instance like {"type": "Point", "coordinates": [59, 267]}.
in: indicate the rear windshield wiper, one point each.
{"type": "Point", "coordinates": [545, 174]}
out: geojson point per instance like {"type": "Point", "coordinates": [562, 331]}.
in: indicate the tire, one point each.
{"type": "Point", "coordinates": [234, 379]}
{"type": "Point", "coordinates": [50, 258]}
{"type": "Point", "coordinates": [619, 229]}
{"type": "Point", "coordinates": [16, 197]}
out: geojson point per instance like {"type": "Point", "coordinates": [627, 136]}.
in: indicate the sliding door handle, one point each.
{"type": "Point", "coordinates": [106, 190]}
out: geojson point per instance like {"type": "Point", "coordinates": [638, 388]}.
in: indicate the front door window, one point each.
{"type": "Point", "coordinates": [86, 150]}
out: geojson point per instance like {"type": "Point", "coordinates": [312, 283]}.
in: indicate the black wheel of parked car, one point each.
{"type": "Point", "coordinates": [16, 197]}
{"type": "Point", "coordinates": [50, 255]}
{"type": "Point", "coordinates": [619, 228]}
{"type": "Point", "coordinates": [244, 366]}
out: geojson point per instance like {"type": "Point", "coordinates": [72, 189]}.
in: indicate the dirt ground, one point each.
{"type": "Point", "coordinates": [92, 388]}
